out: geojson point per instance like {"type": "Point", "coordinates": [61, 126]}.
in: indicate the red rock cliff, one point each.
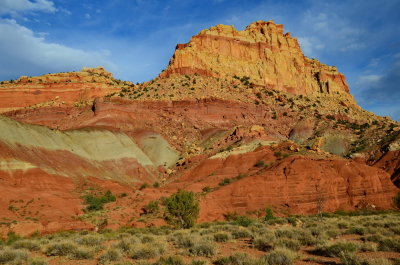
{"type": "Point", "coordinates": [263, 52]}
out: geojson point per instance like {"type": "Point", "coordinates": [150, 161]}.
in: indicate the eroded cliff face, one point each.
{"type": "Point", "coordinates": [58, 89]}
{"type": "Point", "coordinates": [262, 52]}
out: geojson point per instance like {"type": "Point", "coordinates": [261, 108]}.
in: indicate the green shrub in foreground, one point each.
{"type": "Point", "coordinates": [182, 209]}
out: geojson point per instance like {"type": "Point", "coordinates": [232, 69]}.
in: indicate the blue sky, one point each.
{"type": "Point", "coordinates": [134, 39]}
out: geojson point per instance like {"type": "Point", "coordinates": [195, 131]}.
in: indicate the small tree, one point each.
{"type": "Point", "coordinates": [396, 200]}
{"type": "Point", "coordinates": [182, 209]}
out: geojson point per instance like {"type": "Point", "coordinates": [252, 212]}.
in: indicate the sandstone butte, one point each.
{"type": "Point", "coordinates": [246, 106]}
{"type": "Point", "coordinates": [263, 52]}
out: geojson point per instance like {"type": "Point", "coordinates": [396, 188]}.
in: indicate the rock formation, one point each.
{"type": "Point", "coordinates": [58, 89]}
{"type": "Point", "coordinates": [245, 108]}
{"type": "Point", "coordinates": [262, 52]}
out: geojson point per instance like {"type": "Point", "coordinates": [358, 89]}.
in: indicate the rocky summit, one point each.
{"type": "Point", "coordinates": [241, 118]}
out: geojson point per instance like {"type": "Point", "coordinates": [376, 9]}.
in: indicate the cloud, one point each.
{"type": "Point", "coordinates": [14, 7]}
{"type": "Point", "coordinates": [369, 79]}
{"type": "Point", "coordinates": [381, 93]}
{"type": "Point", "coordinates": [21, 51]}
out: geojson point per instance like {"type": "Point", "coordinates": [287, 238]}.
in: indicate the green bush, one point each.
{"type": "Point", "coordinates": [182, 209]}
{"type": "Point", "coordinates": [389, 244]}
{"type": "Point", "coordinates": [288, 243]}
{"type": "Point", "coordinates": [348, 258]}
{"type": "Point", "coordinates": [269, 215]}
{"type": "Point", "coordinates": [336, 249]}
{"type": "Point", "coordinates": [171, 260]}
{"type": "Point", "coordinates": [60, 249]}
{"type": "Point", "coordinates": [26, 244]}
{"type": "Point", "coordinates": [280, 257]}
{"type": "Point", "coordinates": [147, 251]}
{"type": "Point", "coordinates": [241, 233]}
{"type": "Point", "coordinates": [260, 163]}
{"type": "Point", "coordinates": [15, 256]}
{"type": "Point", "coordinates": [37, 262]}
{"type": "Point", "coordinates": [151, 207]}
{"type": "Point", "coordinates": [263, 243]}
{"type": "Point", "coordinates": [396, 200]}
{"type": "Point", "coordinates": [97, 203]}
{"type": "Point", "coordinates": [222, 237]}
{"type": "Point", "coordinates": [203, 248]}
{"type": "Point", "coordinates": [236, 259]}
{"type": "Point", "coordinates": [81, 253]}
{"type": "Point", "coordinates": [225, 181]}
{"type": "Point", "coordinates": [110, 256]}
{"type": "Point", "coordinates": [90, 240]}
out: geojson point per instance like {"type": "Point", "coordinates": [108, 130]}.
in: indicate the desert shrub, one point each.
{"type": "Point", "coordinates": [259, 163]}
{"type": "Point", "coordinates": [97, 203]}
{"type": "Point", "coordinates": [12, 237]}
{"type": "Point", "coordinates": [263, 243]}
{"type": "Point", "coordinates": [225, 181]}
{"type": "Point", "coordinates": [147, 251]}
{"type": "Point", "coordinates": [292, 244]}
{"type": "Point", "coordinates": [81, 253]}
{"type": "Point", "coordinates": [336, 249]}
{"type": "Point", "coordinates": [199, 262]}
{"type": "Point", "coordinates": [269, 215]}
{"type": "Point", "coordinates": [358, 230]}
{"type": "Point", "coordinates": [378, 261]}
{"type": "Point", "coordinates": [60, 249]}
{"type": "Point", "coordinates": [347, 258]}
{"type": "Point", "coordinates": [389, 244]}
{"type": "Point", "coordinates": [26, 244]}
{"type": "Point", "coordinates": [182, 209]}
{"type": "Point", "coordinates": [368, 246]}
{"type": "Point", "coordinates": [147, 239]}
{"type": "Point", "coordinates": [7, 256]}
{"type": "Point", "coordinates": [241, 233]}
{"type": "Point", "coordinates": [151, 207]}
{"type": "Point", "coordinates": [90, 240]}
{"type": "Point", "coordinates": [222, 237]}
{"type": "Point", "coordinates": [124, 245]}
{"type": "Point", "coordinates": [109, 256]}
{"type": "Point", "coordinates": [236, 259]}
{"type": "Point", "coordinates": [143, 186]}
{"type": "Point", "coordinates": [280, 257]}
{"type": "Point", "coordinates": [396, 200]}
{"type": "Point", "coordinates": [171, 260]}
{"type": "Point", "coordinates": [184, 240]}
{"type": "Point", "coordinates": [37, 262]}
{"type": "Point", "coordinates": [243, 221]}
{"type": "Point", "coordinates": [203, 248]}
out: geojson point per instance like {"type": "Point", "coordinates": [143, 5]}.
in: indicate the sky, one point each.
{"type": "Point", "coordinates": [134, 39]}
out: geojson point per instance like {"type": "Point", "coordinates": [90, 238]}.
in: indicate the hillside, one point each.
{"type": "Point", "coordinates": [242, 118]}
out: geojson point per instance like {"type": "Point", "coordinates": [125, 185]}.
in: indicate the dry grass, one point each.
{"type": "Point", "coordinates": [365, 239]}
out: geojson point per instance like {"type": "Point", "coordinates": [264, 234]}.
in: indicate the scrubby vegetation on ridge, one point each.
{"type": "Point", "coordinates": [366, 238]}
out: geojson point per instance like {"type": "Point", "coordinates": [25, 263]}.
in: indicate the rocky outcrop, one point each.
{"type": "Point", "coordinates": [262, 52]}
{"type": "Point", "coordinates": [58, 89]}
{"type": "Point", "coordinates": [296, 184]}
{"type": "Point", "coordinates": [81, 153]}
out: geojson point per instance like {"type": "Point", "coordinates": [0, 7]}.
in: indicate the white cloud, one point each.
{"type": "Point", "coordinates": [367, 79]}
{"type": "Point", "coordinates": [21, 51]}
{"type": "Point", "coordinates": [14, 7]}
{"type": "Point", "coordinates": [310, 45]}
